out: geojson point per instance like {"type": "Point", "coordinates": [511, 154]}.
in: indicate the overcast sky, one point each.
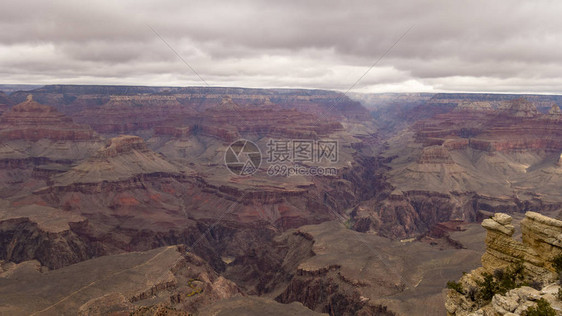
{"type": "Point", "coordinates": [496, 46]}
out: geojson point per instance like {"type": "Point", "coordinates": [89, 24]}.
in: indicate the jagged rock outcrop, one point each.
{"type": "Point", "coordinates": [554, 111]}
{"type": "Point", "coordinates": [541, 242]}
{"type": "Point", "coordinates": [513, 303]}
{"type": "Point", "coordinates": [42, 233]}
{"type": "Point", "coordinates": [502, 250]}
{"type": "Point", "coordinates": [543, 234]}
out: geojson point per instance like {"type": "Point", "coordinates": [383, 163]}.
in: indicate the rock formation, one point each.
{"type": "Point", "coordinates": [124, 157]}
{"type": "Point", "coordinates": [554, 111]}
{"type": "Point", "coordinates": [536, 250]}
{"type": "Point", "coordinates": [126, 109]}
{"type": "Point", "coordinates": [32, 121]}
{"type": "Point", "coordinates": [521, 107]}
{"type": "Point", "coordinates": [541, 243]}
{"type": "Point", "coordinates": [35, 232]}
{"type": "Point", "coordinates": [488, 153]}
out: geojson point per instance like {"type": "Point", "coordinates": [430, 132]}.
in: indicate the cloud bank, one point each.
{"type": "Point", "coordinates": [495, 46]}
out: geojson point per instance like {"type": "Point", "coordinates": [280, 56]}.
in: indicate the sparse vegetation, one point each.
{"type": "Point", "coordinates": [557, 264]}
{"type": "Point", "coordinates": [457, 286]}
{"type": "Point", "coordinates": [500, 282]}
{"type": "Point", "coordinates": [537, 285]}
{"type": "Point", "coordinates": [349, 223]}
{"type": "Point", "coordinates": [542, 308]}
{"type": "Point", "coordinates": [559, 295]}
{"type": "Point", "coordinates": [487, 288]}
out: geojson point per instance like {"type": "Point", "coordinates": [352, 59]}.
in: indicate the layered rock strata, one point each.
{"type": "Point", "coordinates": [541, 243]}
{"type": "Point", "coordinates": [32, 121]}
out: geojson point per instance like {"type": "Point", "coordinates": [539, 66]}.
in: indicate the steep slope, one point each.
{"type": "Point", "coordinates": [169, 277]}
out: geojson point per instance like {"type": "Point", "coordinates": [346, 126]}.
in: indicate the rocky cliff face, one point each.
{"type": "Point", "coordinates": [166, 184]}
{"type": "Point", "coordinates": [535, 253]}
{"type": "Point", "coordinates": [537, 249]}
{"type": "Point", "coordinates": [36, 232]}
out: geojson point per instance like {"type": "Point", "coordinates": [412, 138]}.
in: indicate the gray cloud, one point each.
{"type": "Point", "coordinates": [454, 46]}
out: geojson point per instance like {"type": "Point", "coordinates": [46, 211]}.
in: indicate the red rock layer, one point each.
{"type": "Point", "coordinates": [124, 109]}
{"type": "Point", "coordinates": [124, 114]}
{"type": "Point", "coordinates": [228, 122]}
{"type": "Point", "coordinates": [516, 126]}
{"type": "Point", "coordinates": [32, 121]}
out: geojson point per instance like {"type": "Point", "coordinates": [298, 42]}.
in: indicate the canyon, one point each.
{"type": "Point", "coordinates": [131, 182]}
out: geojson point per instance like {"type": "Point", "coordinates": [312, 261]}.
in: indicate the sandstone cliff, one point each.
{"type": "Point", "coordinates": [541, 243]}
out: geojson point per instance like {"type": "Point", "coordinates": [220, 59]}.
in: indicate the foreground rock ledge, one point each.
{"type": "Point", "coordinates": [541, 241]}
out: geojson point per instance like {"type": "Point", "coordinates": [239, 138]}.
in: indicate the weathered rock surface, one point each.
{"type": "Point", "coordinates": [132, 195]}
{"type": "Point", "coordinates": [502, 250]}
{"type": "Point", "coordinates": [538, 247]}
